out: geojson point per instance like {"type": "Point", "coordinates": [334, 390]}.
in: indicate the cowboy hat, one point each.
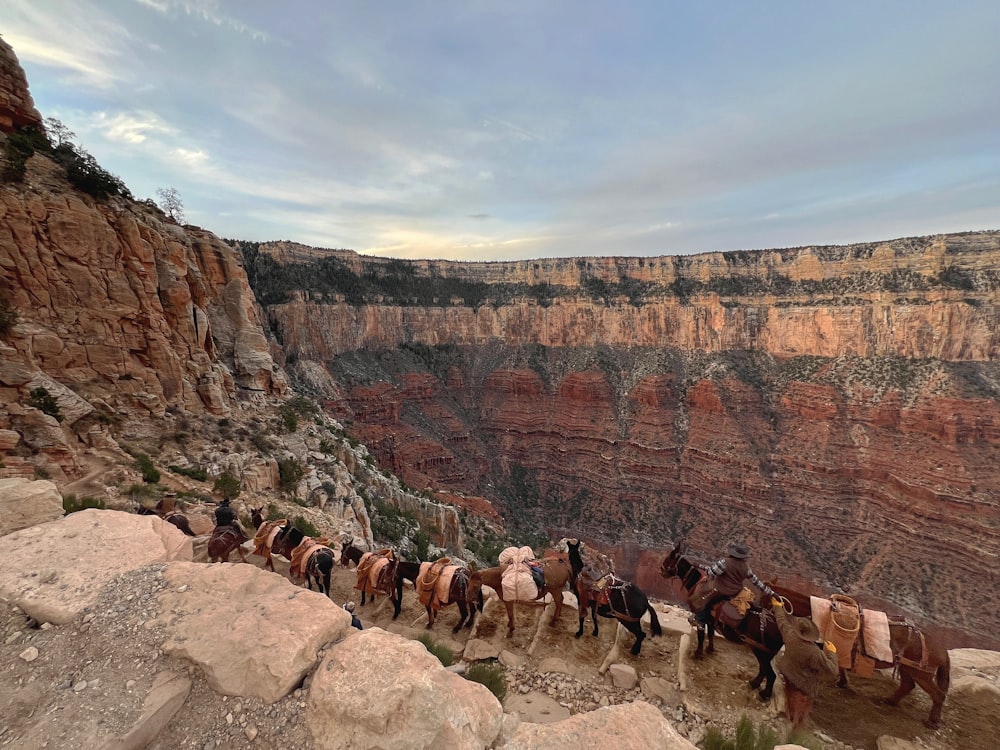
{"type": "Point", "coordinates": [349, 606]}
{"type": "Point", "coordinates": [739, 551]}
{"type": "Point", "coordinates": [807, 629]}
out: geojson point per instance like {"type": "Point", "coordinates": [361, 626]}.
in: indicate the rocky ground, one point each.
{"type": "Point", "coordinates": [61, 684]}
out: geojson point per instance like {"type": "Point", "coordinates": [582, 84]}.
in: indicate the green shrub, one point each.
{"type": "Point", "coordinates": [490, 674]}
{"type": "Point", "coordinates": [290, 473]}
{"type": "Point", "coordinates": [197, 474]}
{"type": "Point", "coordinates": [150, 475]}
{"type": "Point", "coordinates": [305, 526]}
{"type": "Point", "coordinates": [45, 402]}
{"type": "Point", "coordinates": [747, 738]}
{"type": "Point", "coordinates": [444, 654]}
{"type": "Point", "coordinates": [71, 503]}
{"type": "Point", "coordinates": [227, 485]}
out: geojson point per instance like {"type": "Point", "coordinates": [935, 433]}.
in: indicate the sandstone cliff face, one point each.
{"type": "Point", "coordinates": [844, 420]}
{"type": "Point", "coordinates": [17, 108]}
{"type": "Point", "coordinates": [122, 314]}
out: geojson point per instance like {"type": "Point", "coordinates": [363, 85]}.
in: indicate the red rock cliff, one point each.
{"type": "Point", "coordinates": [836, 407]}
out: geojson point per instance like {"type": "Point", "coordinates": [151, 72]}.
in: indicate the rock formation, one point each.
{"type": "Point", "coordinates": [838, 407]}
{"type": "Point", "coordinates": [17, 108]}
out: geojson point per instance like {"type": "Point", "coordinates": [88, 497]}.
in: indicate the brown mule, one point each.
{"type": "Point", "coordinates": [557, 575]}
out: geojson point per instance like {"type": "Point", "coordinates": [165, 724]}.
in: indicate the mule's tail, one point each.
{"type": "Point", "coordinates": [943, 676]}
{"type": "Point", "coordinates": [185, 526]}
{"type": "Point", "coordinates": [654, 621]}
{"type": "Point", "coordinates": [479, 600]}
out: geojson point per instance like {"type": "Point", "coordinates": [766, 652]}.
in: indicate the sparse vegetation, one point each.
{"type": "Point", "coordinates": [490, 674]}
{"type": "Point", "coordinates": [8, 317]}
{"type": "Point", "coordinates": [227, 485]}
{"type": "Point", "coordinates": [444, 654]}
{"type": "Point", "coordinates": [150, 474]}
{"type": "Point", "coordinates": [196, 473]}
{"type": "Point", "coordinates": [290, 473]}
{"type": "Point", "coordinates": [71, 503]}
{"type": "Point", "coordinates": [41, 399]}
{"type": "Point", "coordinates": [749, 738]}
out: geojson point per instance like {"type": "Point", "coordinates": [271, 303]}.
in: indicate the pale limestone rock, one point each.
{"type": "Point", "coordinates": [536, 708]}
{"type": "Point", "coordinates": [886, 742]}
{"type": "Point", "coordinates": [554, 664]}
{"type": "Point", "coordinates": [378, 689]}
{"type": "Point", "coordinates": [166, 696]}
{"type": "Point", "coordinates": [629, 726]}
{"type": "Point", "coordinates": [624, 676]}
{"type": "Point", "coordinates": [267, 654]}
{"type": "Point", "coordinates": [477, 649]}
{"type": "Point", "coordinates": [974, 658]}
{"type": "Point", "coordinates": [25, 503]}
{"type": "Point", "coordinates": [512, 659]}
{"type": "Point", "coordinates": [657, 687]}
{"type": "Point", "coordinates": [93, 546]}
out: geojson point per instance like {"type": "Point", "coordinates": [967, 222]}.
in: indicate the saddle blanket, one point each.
{"type": "Point", "coordinates": [516, 581]}
{"type": "Point", "coordinates": [874, 633]}
{"type": "Point", "coordinates": [441, 590]}
{"type": "Point", "coordinates": [301, 554]}
{"type": "Point", "coordinates": [263, 540]}
{"type": "Point", "coordinates": [370, 568]}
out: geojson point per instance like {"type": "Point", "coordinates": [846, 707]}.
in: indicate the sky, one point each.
{"type": "Point", "coordinates": [509, 130]}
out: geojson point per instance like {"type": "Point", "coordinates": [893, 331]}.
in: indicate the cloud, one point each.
{"type": "Point", "coordinates": [207, 11]}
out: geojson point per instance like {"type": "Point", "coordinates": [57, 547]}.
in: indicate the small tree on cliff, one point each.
{"type": "Point", "coordinates": [227, 485]}
{"type": "Point", "coordinates": [57, 129]}
{"type": "Point", "coordinates": [170, 202]}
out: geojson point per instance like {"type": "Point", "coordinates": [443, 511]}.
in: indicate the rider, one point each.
{"type": "Point", "coordinates": [226, 516]}
{"type": "Point", "coordinates": [729, 572]}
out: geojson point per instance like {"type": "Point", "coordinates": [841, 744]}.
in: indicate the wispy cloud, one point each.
{"type": "Point", "coordinates": [207, 11]}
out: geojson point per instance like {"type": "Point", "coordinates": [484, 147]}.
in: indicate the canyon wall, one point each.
{"type": "Point", "coordinates": [837, 408]}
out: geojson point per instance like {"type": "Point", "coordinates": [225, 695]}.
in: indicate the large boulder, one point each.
{"type": "Point", "coordinates": [24, 503]}
{"type": "Point", "coordinates": [628, 726]}
{"type": "Point", "coordinates": [54, 570]}
{"type": "Point", "coordinates": [377, 689]}
{"type": "Point", "coordinates": [252, 633]}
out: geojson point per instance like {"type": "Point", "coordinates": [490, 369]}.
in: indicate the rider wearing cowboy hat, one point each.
{"type": "Point", "coordinates": [730, 572]}
{"type": "Point", "coordinates": [806, 659]}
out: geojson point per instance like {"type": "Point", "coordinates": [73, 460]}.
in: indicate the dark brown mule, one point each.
{"type": "Point", "coordinates": [757, 629]}
{"type": "Point", "coordinates": [318, 569]}
{"type": "Point", "coordinates": [385, 582]}
{"type": "Point", "coordinates": [272, 538]}
{"type": "Point", "coordinates": [174, 517]}
{"type": "Point", "coordinates": [919, 658]}
{"type": "Point", "coordinates": [223, 541]}
{"type": "Point", "coordinates": [609, 596]}
{"type": "Point", "coordinates": [557, 574]}
{"type": "Point", "coordinates": [462, 590]}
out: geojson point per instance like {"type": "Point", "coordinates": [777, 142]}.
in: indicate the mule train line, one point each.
{"type": "Point", "coordinates": [917, 658]}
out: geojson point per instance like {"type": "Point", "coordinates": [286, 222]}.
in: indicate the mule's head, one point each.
{"type": "Point", "coordinates": [668, 568]}
{"type": "Point", "coordinates": [257, 516]}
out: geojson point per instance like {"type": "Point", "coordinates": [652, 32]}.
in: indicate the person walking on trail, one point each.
{"type": "Point", "coordinates": [729, 573]}
{"type": "Point", "coordinates": [355, 620]}
{"type": "Point", "coordinates": [803, 664]}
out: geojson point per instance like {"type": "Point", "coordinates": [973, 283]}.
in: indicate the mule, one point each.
{"type": "Point", "coordinates": [174, 517]}
{"type": "Point", "coordinates": [556, 573]}
{"type": "Point", "coordinates": [758, 629]}
{"type": "Point", "coordinates": [610, 596]}
{"type": "Point", "coordinates": [272, 538]}
{"type": "Point", "coordinates": [223, 541]}
{"type": "Point", "coordinates": [385, 582]}
{"type": "Point", "coordinates": [918, 658]}
{"type": "Point", "coordinates": [405, 571]}
{"type": "Point", "coordinates": [319, 567]}
{"type": "Point", "coordinates": [350, 554]}
{"type": "Point", "coordinates": [462, 591]}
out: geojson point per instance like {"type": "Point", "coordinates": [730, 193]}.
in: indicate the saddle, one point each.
{"type": "Point", "coordinates": [375, 571]}
{"type": "Point", "coordinates": [429, 591]}
{"type": "Point", "coordinates": [301, 554]}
